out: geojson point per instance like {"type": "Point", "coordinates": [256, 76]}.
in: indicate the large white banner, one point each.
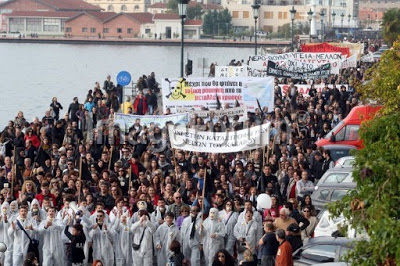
{"type": "Point", "coordinates": [217, 114]}
{"type": "Point", "coordinates": [201, 93]}
{"type": "Point", "coordinates": [230, 71]}
{"type": "Point", "coordinates": [304, 88]}
{"type": "Point", "coordinates": [294, 62]}
{"type": "Point", "coordinates": [147, 120]}
{"type": "Point", "coordinates": [349, 62]}
{"type": "Point", "coordinates": [368, 58]}
{"type": "Point", "coordinates": [219, 142]}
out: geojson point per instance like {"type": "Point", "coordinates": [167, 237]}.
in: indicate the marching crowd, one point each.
{"type": "Point", "coordinates": [78, 189]}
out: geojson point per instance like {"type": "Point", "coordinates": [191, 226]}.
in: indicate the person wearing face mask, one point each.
{"type": "Point", "coordinates": [213, 235]}
{"type": "Point", "coordinates": [5, 223]}
{"type": "Point", "coordinates": [190, 235]}
{"type": "Point", "coordinates": [51, 229]}
{"type": "Point", "coordinates": [102, 235]}
{"type": "Point", "coordinates": [143, 231]}
{"type": "Point", "coordinates": [123, 244]}
{"type": "Point", "coordinates": [229, 218]}
{"type": "Point", "coordinates": [165, 234]}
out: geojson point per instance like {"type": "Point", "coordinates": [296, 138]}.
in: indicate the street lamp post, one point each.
{"type": "Point", "coordinates": [322, 15]}
{"type": "Point", "coordinates": [309, 14]}
{"type": "Point", "coordinates": [333, 19]}
{"type": "Point", "coordinates": [182, 8]}
{"type": "Point", "coordinates": [341, 19]}
{"type": "Point", "coordinates": [292, 15]}
{"type": "Point", "coordinates": [348, 19]}
{"type": "Point", "coordinates": [256, 8]}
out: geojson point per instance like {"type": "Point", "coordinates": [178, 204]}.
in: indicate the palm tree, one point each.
{"type": "Point", "coordinates": [391, 25]}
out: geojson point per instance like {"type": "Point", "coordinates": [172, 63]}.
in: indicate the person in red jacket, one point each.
{"type": "Point", "coordinates": [284, 255]}
{"type": "Point", "coordinates": [45, 188]}
{"type": "Point", "coordinates": [140, 104]}
{"type": "Point", "coordinates": [32, 137]}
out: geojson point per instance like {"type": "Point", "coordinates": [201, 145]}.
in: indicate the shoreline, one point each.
{"type": "Point", "coordinates": [150, 42]}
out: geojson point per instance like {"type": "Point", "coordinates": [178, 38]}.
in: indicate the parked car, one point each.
{"type": "Point", "coordinates": [377, 55]}
{"type": "Point", "coordinates": [346, 161]}
{"type": "Point", "coordinates": [327, 225]}
{"type": "Point", "coordinates": [339, 150]}
{"type": "Point", "coordinates": [323, 249]}
{"type": "Point", "coordinates": [336, 176]}
{"type": "Point", "coordinates": [330, 192]}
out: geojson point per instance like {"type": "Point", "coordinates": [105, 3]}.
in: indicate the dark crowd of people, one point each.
{"type": "Point", "coordinates": [91, 192]}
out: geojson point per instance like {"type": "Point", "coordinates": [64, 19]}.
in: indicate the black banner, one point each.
{"type": "Point", "coordinates": [280, 71]}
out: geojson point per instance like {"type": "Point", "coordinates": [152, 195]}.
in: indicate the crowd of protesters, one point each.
{"type": "Point", "coordinates": [92, 193]}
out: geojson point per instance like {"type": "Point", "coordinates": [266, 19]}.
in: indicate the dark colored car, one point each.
{"type": "Point", "coordinates": [323, 249]}
{"type": "Point", "coordinates": [339, 150]}
{"type": "Point", "coordinates": [330, 192]}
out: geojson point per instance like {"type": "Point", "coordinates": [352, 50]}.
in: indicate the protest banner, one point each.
{"type": "Point", "coordinates": [349, 62]}
{"type": "Point", "coordinates": [278, 71]}
{"type": "Point", "coordinates": [199, 93]}
{"type": "Point", "coordinates": [305, 88]}
{"type": "Point", "coordinates": [146, 120]}
{"type": "Point", "coordinates": [230, 71]}
{"type": "Point", "coordinates": [368, 58]}
{"type": "Point", "coordinates": [324, 48]}
{"type": "Point", "coordinates": [217, 114]}
{"type": "Point", "coordinates": [189, 139]}
{"type": "Point", "coordinates": [294, 62]}
{"type": "Point", "coordinates": [354, 48]}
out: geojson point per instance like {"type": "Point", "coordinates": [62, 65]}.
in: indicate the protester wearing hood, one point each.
{"type": "Point", "coordinates": [190, 235]}
{"type": "Point", "coordinates": [213, 235]}
{"type": "Point", "coordinates": [229, 218]}
{"type": "Point", "coordinates": [5, 224]}
{"type": "Point", "coordinates": [143, 231]}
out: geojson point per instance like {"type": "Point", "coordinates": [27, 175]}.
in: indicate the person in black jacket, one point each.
{"type": "Point", "coordinates": [177, 257]}
{"type": "Point", "coordinates": [75, 252]}
{"type": "Point", "coordinates": [293, 236]}
{"type": "Point", "coordinates": [294, 213]}
{"type": "Point", "coordinates": [73, 108]}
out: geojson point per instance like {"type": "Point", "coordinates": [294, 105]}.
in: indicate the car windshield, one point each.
{"type": "Point", "coordinates": [336, 178]}
{"type": "Point", "coordinates": [336, 128]}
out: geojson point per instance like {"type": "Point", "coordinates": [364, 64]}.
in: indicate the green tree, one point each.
{"type": "Point", "coordinates": [208, 23]}
{"type": "Point", "coordinates": [373, 206]}
{"type": "Point", "coordinates": [217, 22]}
{"type": "Point", "coordinates": [195, 12]}
{"type": "Point", "coordinates": [172, 6]}
{"type": "Point", "coordinates": [391, 25]}
{"type": "Point", "coordinates": [285, 31]}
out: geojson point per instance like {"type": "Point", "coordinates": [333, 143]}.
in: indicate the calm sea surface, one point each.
{"type": "Point", "coordinates": [31, 74]}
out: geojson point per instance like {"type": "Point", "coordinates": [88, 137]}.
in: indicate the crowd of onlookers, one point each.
{"type": "Point", "coordinates": [90, 191]}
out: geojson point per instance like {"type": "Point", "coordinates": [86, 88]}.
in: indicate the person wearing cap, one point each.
{"type": "Point", "coordinates": [284, 254]}
{"type": "Point", "coordinates": [293, 236]}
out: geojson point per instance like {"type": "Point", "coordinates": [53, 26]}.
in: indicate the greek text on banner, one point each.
{"type": "Point", "coordinates": [146, 120]}
{"type": "Point", "coordinates": [189, 139]}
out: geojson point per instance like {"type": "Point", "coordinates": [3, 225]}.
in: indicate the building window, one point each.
{"type": "Point", "coordinates": [106, 30]}
{"type": "Point", "coordinates": [110, 8]}
{"type": "Point", "coordinates": [16, 24]}
{"type": "Point", "coordinates": [93, 30]}
{"type": "Point", "coordinates": [136, 7]}
{"type": "Point", "coordinates": [124, 8]}
{"type": "Point", "coordinates": [68, 29]}
{"type": "Point", "coordinates": [84, 29]}
{"type": "Point", "coordinates": [245, 14]}
{"type": "Point", "coordinates": [235, 14]}
{"type": "Point", "coordinates": [119, 30]}
{"type": "Point", "coordinates": [268, 15]}
{"type": "Point", "coordinates": [129, 30]}
{"type": "Point", "coordinates": [34, 24]}
{"type": "Point", "coordinates": [147, 31]}
{"type": "Point", "coordinates": [51, 24]}
{"type": "Point", "coordinates": [282, 15]}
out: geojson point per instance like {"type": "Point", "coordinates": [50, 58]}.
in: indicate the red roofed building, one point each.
{"type": "Point", "coordinates": [44, 17]}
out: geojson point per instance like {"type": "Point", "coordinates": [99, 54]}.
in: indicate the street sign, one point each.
{"type": "Point", "coordinates": [124, 78]}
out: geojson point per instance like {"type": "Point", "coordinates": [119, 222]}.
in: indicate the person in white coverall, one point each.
{"type": "Point", "coordinates": [123, 240]}
{"type": "Point", "coordinates": [213, 236]}
{"type": "Point", "coordinates": [7, 239]}
{"type": "Point", "coordinates": [247, 232]}
{"type": "Point", "coordinates": [144, 255]}
{"type": "Point", "coordinates": [21, 240]}
{"type": "Point", "coordinates": [190, 236]}
{"type": "Point", "coordinates": [229, 218]}
{"type": "Point", "coordinates": [102, 235]}
{"type": "Point", "coordinates": [165, 234]}
{"type": "Point", "coordinates": [51, 230]}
